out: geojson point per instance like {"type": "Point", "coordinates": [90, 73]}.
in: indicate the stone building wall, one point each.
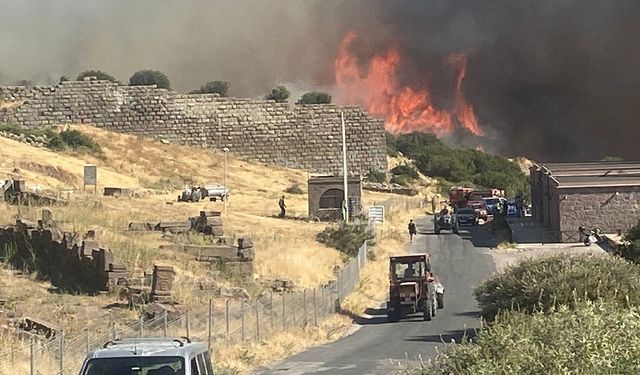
{"type": "Point", "coordinates": [300, 136]}
{"type": "Point", "coordinates": [596, 208]}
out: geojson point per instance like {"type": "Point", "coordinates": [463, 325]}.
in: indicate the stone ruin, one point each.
{"type": "Point", "coordinates": [15, 192]}
{"type": "Point", "coordinates": [70, 261]}
{"type": "Point", "coordinates": [208, 223]}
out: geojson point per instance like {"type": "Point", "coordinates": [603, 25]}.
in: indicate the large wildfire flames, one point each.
{"type": "Point", "coordinates": [404, 109]}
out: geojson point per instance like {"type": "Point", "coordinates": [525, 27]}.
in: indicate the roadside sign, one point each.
{"type": "Point", "coordinates": [376, 214]}
{"type": "Point", "coordinates": [91, 176]}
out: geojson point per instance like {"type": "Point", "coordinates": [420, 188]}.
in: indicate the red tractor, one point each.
{"type": "Point", "coordinates": [413, 288]}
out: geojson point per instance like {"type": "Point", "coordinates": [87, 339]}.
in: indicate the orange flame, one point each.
{"type": "Point", "coordinates": [404, 109]}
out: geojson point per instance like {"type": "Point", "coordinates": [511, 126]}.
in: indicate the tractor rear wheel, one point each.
{"type": "Point", "coordinates": [428, 312]}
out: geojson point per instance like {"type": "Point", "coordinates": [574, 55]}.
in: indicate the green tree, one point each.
{"type": "Point", "coordinates": [100, 75]}
{"type": "Point", "coordinates": [150, 77]}
{"type": "Point", "coordinates": [279, 93]}
{"type": "Point", "coordinates": [214, 87]}
{"type": "Point", "coordinates": [315, 97]}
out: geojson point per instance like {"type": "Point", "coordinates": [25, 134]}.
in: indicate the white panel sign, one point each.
{"type": "Point", "coordinates": [376, 214]}
{"type": "Point", "coordinates": [90, 175]}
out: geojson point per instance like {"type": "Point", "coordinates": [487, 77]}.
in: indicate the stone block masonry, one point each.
{"type": "Point", "coordinates": [299, 136]}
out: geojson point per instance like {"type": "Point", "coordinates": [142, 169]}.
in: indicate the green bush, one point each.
{"type": "Point", "coordinates": [433, 158]}
{"type": "Point", "coordinates": [539, 284]}
{"type": "Point", "coordinates": [375, 176]}
{"type": "Point", "coordinates": [279, 93]}
{"type": "Point", "coordinates": [79, 141]}
{"type": "Point", "coordinates": [593, 338]}
{"type": "Point", "coordinates": [405, 169]}
{"type": "Point", "coordinates": [213, 87]}
{"type": "Point", "coordinates": [630, 249]}
{"type": "Point", "coordinates": [315, 97]}
{"type": "Point", "coordinates": [294, 189]}
{"type": "Point", "coordinates": [392, 150]}
{"type": "Point", "coordinates": [401, 179]}
{"type": "Point", "coordinates": [95, 73]}
{"type": "Point", "coordinates": [346, 237]}
{"type": "Point", "coordinates": [150, 77]}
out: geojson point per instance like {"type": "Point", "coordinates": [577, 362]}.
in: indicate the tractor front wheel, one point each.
{"type": "Point", "coordinates": [440, 300]}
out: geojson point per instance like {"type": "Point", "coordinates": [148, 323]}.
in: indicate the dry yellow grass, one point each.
{"type": "Point", "coordinates": [242, 359]}
{"type": "Point", "coordinates": [284, 248]}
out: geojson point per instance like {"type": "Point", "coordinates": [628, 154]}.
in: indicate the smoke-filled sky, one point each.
{"type": "Point", "coordinates": [549, 79]}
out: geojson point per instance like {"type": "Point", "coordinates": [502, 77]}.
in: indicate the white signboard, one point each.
{"type": "Point", "coordinates": [376, 214]}
{"type": "Point", "coordinates": [90, 175]}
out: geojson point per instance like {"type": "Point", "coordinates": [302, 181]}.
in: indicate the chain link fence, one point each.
{"type": "Point", "coordinates": [219, 323]}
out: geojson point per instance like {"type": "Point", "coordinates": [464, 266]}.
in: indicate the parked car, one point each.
{"type": "Point", "coordinates": [151, 356]}
{"type": "Point", "coordinates": [467, 216]}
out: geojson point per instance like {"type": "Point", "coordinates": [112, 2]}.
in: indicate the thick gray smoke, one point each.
{"type": "Point", "coordinates": [555, 79]}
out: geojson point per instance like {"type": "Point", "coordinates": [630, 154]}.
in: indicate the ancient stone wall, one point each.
{"type": "Point", "coordinates": [300, 136]}
{"type": "Point", "coordinates": [596, 208]}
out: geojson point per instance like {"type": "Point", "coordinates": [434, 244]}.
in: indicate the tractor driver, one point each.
{"type": "Point", "coordinates": [410, 271]}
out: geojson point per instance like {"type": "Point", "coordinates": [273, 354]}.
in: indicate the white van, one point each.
{"type": "Point", "coordinates": [149, 356]}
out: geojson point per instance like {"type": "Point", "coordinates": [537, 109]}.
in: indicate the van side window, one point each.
{"type": "Point", "coordinates": [194, 367]}
{"type": "Point", "coordinates": [207, 363]}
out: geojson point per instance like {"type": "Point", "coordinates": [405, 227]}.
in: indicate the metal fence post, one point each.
{"type": "Point", "coordinates": [61, 352]}
{"type": "Point", "coordinates": [284, 313]}
{"type": "Point", "coordinates": [32, 347]}
{"type": "Point", "coordinates": [88, 343]}
{"type": "Point", "coordinates": [315, 307]}
{"type": "Point", "coordinates": [339, 286]}
{"type": "Point", "coordinates": [271, 309]}
{"type": "Point", "coordinates": [226, 318]}
{"type": "Point", "coordinates": [141, 327]}
{"type": "Point", "coordinates": [187, 323]}
{"type": "Point", "coordinates": [293, 308]}
{"type": "Point", "coordinates": [324, 299]}
{"type": "Point", "coordinates": [166, 323]}
{"type": "Point", "coordinates": [242, 319]}
{"type": "Point", "coordinates": [210, 323]}
{"type": "Point", "coordinates": [304, 300]}
{"type": "Point", "coordinates": [257, 321]}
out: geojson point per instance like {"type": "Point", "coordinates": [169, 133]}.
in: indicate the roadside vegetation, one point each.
{"type": "Point", "coordinates": [346, 237]}
{"type": "Point", "coordinates": [630, 248]}
{"type": "Point", "coordinates": [554, 314]}
{"type": "Point", "coordinates": [459, 166]}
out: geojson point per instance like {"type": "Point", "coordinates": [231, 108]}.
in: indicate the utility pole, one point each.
{"type": "Point", "coordinates": [345, 210]}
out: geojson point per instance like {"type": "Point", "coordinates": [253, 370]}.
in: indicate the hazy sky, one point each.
{"type": "Point", "coordinates": [554, 79]}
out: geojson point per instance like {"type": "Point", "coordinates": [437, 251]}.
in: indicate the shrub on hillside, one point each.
{"type": "Point", "coordinates": [150, 77]}
{"type": "Point", "coordinates": [315, 97]}
{"type": "Point", "coordinates": [279, 93]}
{"type": "Point", "coordinates": [433, 158]}
{"type": "Point", "coordinates": [346, 237]}
{"type": "Point", "coordinates": [375, 176]}
{"type": "Point", "coordinates": [77, 140]}
{"type": "Point", "coordinates": [213, 87]}
{"type": "Point", "coordinates": [538, 284]}
{"type": "Point", "coordinates": [392, 150]}
{"type": "Point", "coordinates": [405, 169]}
{"type": "Point", "coordinates": [592, 339]}
{"type": "Point", "coordinates": [294, 189]}
{"type": "Point", "coordinates": [630, 249]}
{"type": "Point", "coordinates": [96, 73]}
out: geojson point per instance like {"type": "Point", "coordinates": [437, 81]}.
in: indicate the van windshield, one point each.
{"type": "Point", "coordinates": [135, 366]}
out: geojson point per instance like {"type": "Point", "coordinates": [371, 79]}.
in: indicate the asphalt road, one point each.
{"type": "Point", "coordinates": [461, 261]}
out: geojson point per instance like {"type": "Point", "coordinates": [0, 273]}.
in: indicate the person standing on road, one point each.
{"type": "Point", "coordinates": [283, 207]}
{"type": "Point", "coordinates": [412, 230]}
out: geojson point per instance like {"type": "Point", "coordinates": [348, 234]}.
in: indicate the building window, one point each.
{"type": "Point", "coordinates": [332, 198]}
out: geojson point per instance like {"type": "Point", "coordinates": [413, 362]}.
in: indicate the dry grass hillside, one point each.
{"type": "Point", "coordinates": [285, 248]}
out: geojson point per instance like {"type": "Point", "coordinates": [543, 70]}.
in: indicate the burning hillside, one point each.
{"type": "Point", "coordinates": [375, 86]}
